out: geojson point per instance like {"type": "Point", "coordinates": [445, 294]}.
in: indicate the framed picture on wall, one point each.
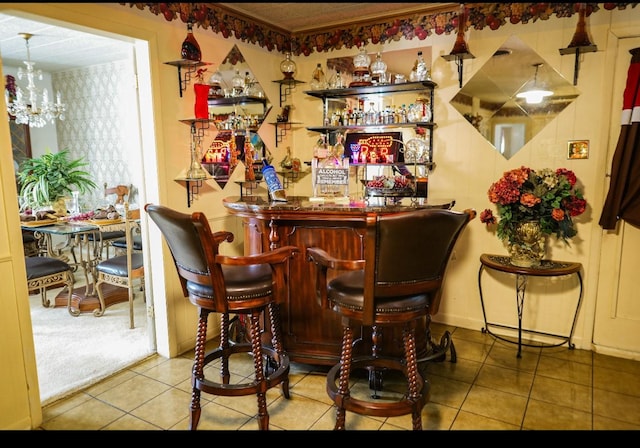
{"type": "Point", "coordinates": [578, 149]}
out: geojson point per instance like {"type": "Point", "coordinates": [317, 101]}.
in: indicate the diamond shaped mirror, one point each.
{"type": "Point", "coordinates": [493, 101]}
{"type": "Point", "coordinates": [238, 107]}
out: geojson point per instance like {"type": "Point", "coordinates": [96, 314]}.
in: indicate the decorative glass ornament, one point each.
{"type": "Point", "coordinates": [288, 67]}
{"type": "Point", "coordinates": [215, 85]}
{"type": "Point", "coordinates": [190, 47]}
{"type": "Point", "coordinates": [361, 73]}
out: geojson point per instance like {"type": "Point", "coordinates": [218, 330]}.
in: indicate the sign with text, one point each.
{"type": "Point", "coordinates": [332, 176]}
{"type": "Point", "coordinates": [382, 147]}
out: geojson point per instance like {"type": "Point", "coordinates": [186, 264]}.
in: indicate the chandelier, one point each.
{"type": "Point", "coordinates": [24, 108]}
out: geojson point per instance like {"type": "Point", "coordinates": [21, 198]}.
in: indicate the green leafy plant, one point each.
{"type": "Point", "coordinates": [46, 179]}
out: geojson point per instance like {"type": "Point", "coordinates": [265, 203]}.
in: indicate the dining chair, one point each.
{"type": "Point", "coordinates": [394, 285]}
{"type": "Point", "coordinates": [125, 271]}
{"type": "Point", "coordinates": [47, 272]}
{"type": "Point", "coordinates": [113, 196]}
{"type": "Point", "coordinates": [244, 286]}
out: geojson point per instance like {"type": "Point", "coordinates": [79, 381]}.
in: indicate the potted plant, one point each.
{"type": "Point", "coordinates": [45, 181]}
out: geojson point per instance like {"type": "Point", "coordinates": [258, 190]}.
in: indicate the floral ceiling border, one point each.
{"type": "Point", "coordinates": [420, 25]}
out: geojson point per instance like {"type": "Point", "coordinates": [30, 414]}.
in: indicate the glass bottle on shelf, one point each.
{"type": "Point", "coordinates": [379, 70]}
{"type": "Point", "coordinates": [237, 83]}
{"type": "Point", "coordinates": [321, 148]}
{"type": "Point", "coordinates": [420, 71]}
{"type": "Point", "coordinates": [318, 78]}
{"type": "Point", "coordinates": [338, 148]}
{"type": "Point", "coordinates": [195, 169]}
{"type": "Point", "coordinates": [361, 73]}
{"type": "Point", "coordinates": [288, 67]}
{"type": "Point", "coordinates": [215, 85]}
{"type": "Point", "coordinates": [190, 47]}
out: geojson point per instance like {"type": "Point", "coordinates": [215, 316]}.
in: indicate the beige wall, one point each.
{"type": "Point", "coordinates": [466, 166]}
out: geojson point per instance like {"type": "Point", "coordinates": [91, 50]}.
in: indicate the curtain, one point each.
{"type": "Point", "coordinates": [623, 199]}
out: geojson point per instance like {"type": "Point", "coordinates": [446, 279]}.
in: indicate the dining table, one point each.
{"type": "Point", "coordinates": [81, 247]}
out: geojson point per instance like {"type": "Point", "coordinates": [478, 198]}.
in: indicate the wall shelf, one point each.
{"type": "Point", "coordinates": [192, 187]}
{"type": "Point", "coordinates": [281, 129]}
{"type": "Point", "coordinates": [190, 66]}
{"type": "Point", "coordinates": [286, 87]}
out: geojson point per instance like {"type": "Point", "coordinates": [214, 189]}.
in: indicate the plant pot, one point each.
{"type": "Point", "coordinates": [528, 248]}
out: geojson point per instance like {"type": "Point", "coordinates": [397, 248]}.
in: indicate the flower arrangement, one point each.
{"type": "Point", "coordinates": [547, 196]}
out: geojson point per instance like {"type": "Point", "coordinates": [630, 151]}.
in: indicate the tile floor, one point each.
{"type": "Point", "coordinates": [487, 388]}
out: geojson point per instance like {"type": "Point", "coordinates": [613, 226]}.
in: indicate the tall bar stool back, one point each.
{"type": "Point", "coordinates": [400, 276]}
{"type": "Point", "coordinates": [241, 285]}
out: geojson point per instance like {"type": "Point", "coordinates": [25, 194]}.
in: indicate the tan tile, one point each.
{"type": "Point", "coordinates": [471, 335]}
{"type": "Point", "coordinates": [470, 421]}
{"type": "Point", "coordinates": [90, 415]}
{"type": "Point", "coordinates": [562, 393]}
{"type": "Point", "coordinates": [616, 381]}
{"type": "Point", "coordinates": [130, 423]}
{"type": "Point", "coordinates": [438, 417]}
{"type": "Point", "coordinates": [215, 417]}
{"type": "Point", "coordinates": [463, 370]}
{"type": "Point", "coordinates": [575, 355]}
{"type": "Point", "coordinates": [170, 373]}
{"type": "Point", "coordinates": [297, 413]}
{"type": "Point", "coordinates": [506, 357]}
{"type": "Point", "coordinates": [447, 391]}
{"type": "Point", "coordinates": [562, 369]}
{"type": "Point", "coordinates": [472, 351]}
{"type": "Point", "coordinates": [110, 382]}
{"type": "Point", "coordinates": [133, 392]}
{"type": "Point", "coordinates": [616, 406]}
{"type": "Point", "coordinates": [58, 407]}
{"type": "Point", "coordinates": [495, 404]}
{"type": "Point", "coordinates": [314, 386]}
{"type": "Point", "coordinates": [507, 380]}
{"type": "Point", "coordinates": [621, 364]}
{"type": "Point", "coordinates": [605, 423]}
{"type": "Point", "coordinates": [165, 410]}
{"type": "Point", "coordinates": [548, 416]}
{"type": "Point", "coordinates": [353, 422]}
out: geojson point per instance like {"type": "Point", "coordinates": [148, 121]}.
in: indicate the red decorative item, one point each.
{"type": "Point", "coordinates": [202, 106]}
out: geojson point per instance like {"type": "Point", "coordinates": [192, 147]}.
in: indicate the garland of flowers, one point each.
{"type": "Point", "coordinates": [420, 25]}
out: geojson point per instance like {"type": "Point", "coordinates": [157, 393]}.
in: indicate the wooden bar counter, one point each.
{"type": "Point", "coordinates": [313, 335]}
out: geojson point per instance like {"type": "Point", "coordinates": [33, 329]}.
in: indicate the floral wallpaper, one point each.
{"type": "Point", "coordinates": [479, 16]}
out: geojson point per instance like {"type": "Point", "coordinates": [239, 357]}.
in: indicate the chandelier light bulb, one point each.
{"type": "Point", "coordinates": [28, 112]}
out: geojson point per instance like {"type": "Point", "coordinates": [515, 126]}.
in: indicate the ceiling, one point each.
{"type": "Point", "coordinates": [297, 17]}
{"type": "Point", "coordinates": [55, 49]}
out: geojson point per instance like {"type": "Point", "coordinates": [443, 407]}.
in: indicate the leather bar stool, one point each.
{"type": "Point", "coordinates": [394, 285]}
{"type": "Point", "coordinates": [240, 285]}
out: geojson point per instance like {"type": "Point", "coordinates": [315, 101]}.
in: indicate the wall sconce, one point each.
{"type": "Point", "coordinates": [460, 50]}
{"type": "Point", "coordinates": [581, 43]}
{"type": "Point", "coordinates": [536, 93]}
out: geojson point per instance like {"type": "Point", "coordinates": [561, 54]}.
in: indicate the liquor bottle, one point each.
{"type": "Point", "coordinates": [274, 185]}
{"type": "Point", "coordinates": [190, 46]}
{"type": "Point", "coordinates": [318, 78]}
{"type": "Point", "coordinates": [421, 68]}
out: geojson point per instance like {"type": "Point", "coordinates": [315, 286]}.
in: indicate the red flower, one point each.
{"type": "Point", "coordinates": [575, 205]}
{"type": "Point", "coordinates": [486, 217]}
{"type": "Point", "coordinates": [571, 177]}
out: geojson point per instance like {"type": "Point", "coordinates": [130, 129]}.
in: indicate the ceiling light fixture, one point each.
{"type": "Point", "coordinates": [535, 94]}
{"type": "Point", "coordinates": [25, 109]}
